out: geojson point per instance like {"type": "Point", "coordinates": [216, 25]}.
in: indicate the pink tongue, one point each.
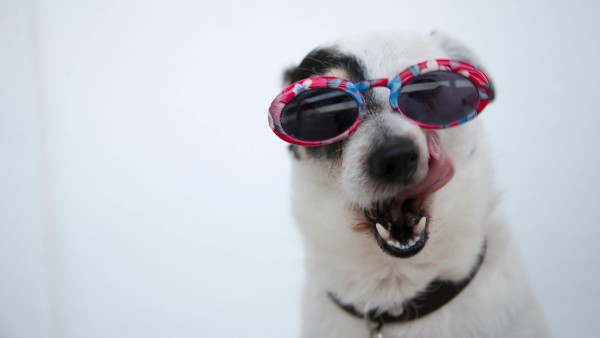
{"type": "Point", "coordinates": [441, 169]}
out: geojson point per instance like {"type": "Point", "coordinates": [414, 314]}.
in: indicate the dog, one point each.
{"type": "Point", "coordinates": [400, 223]}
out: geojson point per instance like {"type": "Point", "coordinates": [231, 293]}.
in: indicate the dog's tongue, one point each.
{"type": "Point", "coordinates": [441, 169]}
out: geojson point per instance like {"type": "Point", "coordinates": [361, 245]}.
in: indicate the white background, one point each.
{"type": "Point", "coordinates": [143, 195]}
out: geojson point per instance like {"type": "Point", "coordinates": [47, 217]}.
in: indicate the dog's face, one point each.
{"type": "Point", "coordinates": [390, 185]}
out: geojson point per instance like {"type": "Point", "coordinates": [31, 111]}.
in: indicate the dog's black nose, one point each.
{"type": "Point", "coordinates": [395, 160]}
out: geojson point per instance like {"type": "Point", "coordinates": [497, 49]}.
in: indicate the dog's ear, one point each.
{"type": "Point", "coordinates": [459, 51]}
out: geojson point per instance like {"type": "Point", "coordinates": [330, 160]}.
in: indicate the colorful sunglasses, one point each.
{"type": "Point", "coordinates": [433, 94]}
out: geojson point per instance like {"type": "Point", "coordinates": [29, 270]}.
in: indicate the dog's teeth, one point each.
{"type": "Point", "coordinates": [420, 226]}
{"type": "Point", "coordinates": [382, 231]}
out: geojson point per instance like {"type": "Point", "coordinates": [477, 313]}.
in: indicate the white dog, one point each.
{"type": "Point", "coordinates": [400, 223]}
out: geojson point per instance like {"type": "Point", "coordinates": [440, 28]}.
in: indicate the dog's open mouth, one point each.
{"type": "Point", "coordinates": [401, 224]}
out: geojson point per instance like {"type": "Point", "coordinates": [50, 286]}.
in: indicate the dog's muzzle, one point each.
{"type": "Point", "coordinates": [401, 224]}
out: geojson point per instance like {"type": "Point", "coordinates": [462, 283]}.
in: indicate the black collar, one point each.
{"type": "Point", "coordinates": [437, 294]}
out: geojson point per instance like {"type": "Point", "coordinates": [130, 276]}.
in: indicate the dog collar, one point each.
{"type": "Point", "coordinates": [437, 294]}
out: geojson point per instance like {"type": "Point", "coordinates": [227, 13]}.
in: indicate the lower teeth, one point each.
{"type": "Point", "coordinates": [417, 230]}
{"type": "Point", "coordinates": [408, 245]}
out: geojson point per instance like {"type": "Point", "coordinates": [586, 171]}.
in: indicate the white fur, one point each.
{"type": "Point", "coordinates": [497, 303]}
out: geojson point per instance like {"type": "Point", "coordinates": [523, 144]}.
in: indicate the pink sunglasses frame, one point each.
{"type": "Point", "coordinates": [472, 73]}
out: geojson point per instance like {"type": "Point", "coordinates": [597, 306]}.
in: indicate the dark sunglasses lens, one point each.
{"type": "Point", "coordinates": [319, 114]}
{"type": "Point", "coordinates": [438, 98]}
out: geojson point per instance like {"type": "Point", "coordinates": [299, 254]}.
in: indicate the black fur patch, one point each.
{"type": "Point", "coordinates": [319, 62]}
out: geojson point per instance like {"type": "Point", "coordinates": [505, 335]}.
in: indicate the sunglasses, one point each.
{"type": "Point", "coordinates": [433, 94]}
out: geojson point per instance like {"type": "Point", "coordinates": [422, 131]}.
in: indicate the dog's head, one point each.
{"type": "Point", "coordinates": [384, 180]}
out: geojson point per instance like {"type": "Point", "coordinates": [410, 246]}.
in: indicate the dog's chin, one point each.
{"type": "Point", "coordinates": [400, 225]}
